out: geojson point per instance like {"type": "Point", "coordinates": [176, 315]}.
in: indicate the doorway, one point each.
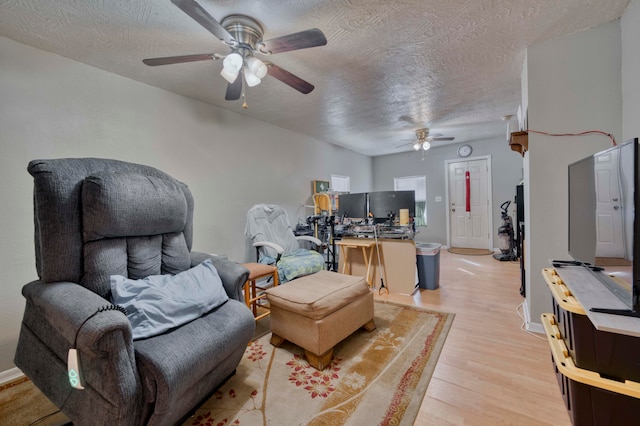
{"type": "Point", "coordinates": [469, 223]}
{"type": "Point", "coordinates": [610, 206]}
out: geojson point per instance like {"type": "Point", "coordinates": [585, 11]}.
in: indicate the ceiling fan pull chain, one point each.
{"type": "Point", "coordinates": [244, 101]}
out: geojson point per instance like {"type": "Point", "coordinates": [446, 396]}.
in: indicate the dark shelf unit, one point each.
{"type": "Point", "coordinates": [520, 235]}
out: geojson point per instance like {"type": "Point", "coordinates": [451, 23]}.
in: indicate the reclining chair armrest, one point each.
{"type": "Point", "coordinates": [314, 240]}
{"type": "Point", "coordinates": [58, 304]}
{"type": "Point", "coordinates": [274, 246]}
{"type": "Point", "coordinates": [103, 340]}
{"type": "Point", "coordinates": [277, 247]}
{"type": "Point", "coordinates": [232, 274]}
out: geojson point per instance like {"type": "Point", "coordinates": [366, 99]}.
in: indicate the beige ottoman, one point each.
{"type": "Point", "coordinates": [318, 311]}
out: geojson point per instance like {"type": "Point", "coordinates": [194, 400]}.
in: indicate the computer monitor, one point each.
{"type": "Point", "coordinates": [382, 204]}
{"type": "Point", "coordinates": [352, 205]}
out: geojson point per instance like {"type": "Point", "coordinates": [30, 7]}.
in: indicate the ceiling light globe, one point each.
{"type": "Point", "coordinates": [257, 67]}
{"type": "Point", "coordinates": [230, 76]}
{"type": "Point", "coordinates": [250, 78]}
{"type": "Point", "coordinates": [232, 62]}
{"type": "Point", "coordinates": [417, 146]}
{"type": "Point", "coordinates": [426, 145]}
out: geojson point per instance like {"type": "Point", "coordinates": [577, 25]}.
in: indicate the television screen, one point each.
{"type": "Point", "coordinates": [384, 203]}
{"type": "Point", "coordinates": [602, 223]}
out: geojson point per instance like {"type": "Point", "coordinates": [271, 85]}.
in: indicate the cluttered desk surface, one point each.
{"type": "Point", "coordinates": [377, 231]}
{"type": "Point", "coordinates": [384, 231]}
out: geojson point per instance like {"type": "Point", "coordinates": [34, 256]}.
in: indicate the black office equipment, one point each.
{"type": "Point", "coordinates": [386, 205]}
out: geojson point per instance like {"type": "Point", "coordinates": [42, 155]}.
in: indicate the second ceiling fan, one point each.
{"type": "Point", "coordinates": [423, 139]}
{"type": "Point", "coordinates": [244, 36]}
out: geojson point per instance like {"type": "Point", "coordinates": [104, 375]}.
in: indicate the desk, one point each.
{"type": "Point", "coordinates": [397, 264]}
{"type": "Point", "coordinates": [366, 244]}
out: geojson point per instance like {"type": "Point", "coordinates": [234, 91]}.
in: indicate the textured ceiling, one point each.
{"type": "Point", "coordinates": [390, 66]}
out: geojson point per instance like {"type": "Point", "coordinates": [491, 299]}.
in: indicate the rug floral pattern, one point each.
{"type": "Point", "coordinates": [377, 377]}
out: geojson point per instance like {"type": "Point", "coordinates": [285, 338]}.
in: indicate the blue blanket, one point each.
{"type": "Point", "coordinates": [296, 264]}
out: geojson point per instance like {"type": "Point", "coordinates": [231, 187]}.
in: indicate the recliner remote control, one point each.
{"type": "Point", "coordinates": [73, 369]}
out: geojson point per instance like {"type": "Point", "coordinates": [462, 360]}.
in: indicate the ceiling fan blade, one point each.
{"type": "Point", "coordinates": [152, 62]}
{"type": "Point", "coordinates": [404, 144]}
{"type": "Point", "coordinates": [201, 16]}
{"type": "Point", "coordinates": [448, 138]}
{"type": "Point", "coordinates": [289, 79]}
{"type": "Point", "coordinates": [296, 41]}
{"type": "Point", "coordinates": [234, 90]}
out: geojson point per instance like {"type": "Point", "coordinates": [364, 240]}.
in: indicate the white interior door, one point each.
{"type": "Point", "coordinates": [609, 206]}
{"type": "Point", "coordinates": [469, 229]}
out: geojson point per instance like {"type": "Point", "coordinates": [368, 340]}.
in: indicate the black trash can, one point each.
{"type": "Point", "coordinates": [428, 260]}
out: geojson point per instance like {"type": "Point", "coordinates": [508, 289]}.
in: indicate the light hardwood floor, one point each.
{"type": "Point", "coordinates": [490, 371]}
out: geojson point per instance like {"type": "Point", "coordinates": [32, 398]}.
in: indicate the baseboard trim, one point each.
{"type": "Point", "coordinates": [10, 375]}
{"type": "Point", "coordinates": [535, 327]}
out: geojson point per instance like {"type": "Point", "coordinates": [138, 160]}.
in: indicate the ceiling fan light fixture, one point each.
{"type": "Point", "coordinates": [250, 77]}
{"type": "Point", "coordinates": [417, 146]}
{"type": "Point", "coordinates": [257, 67]}
{"type": "Point", "coordinates": [426, 145]}
{"type": "Point", "coordinates": [230, 76]}
{"type": "Point", "coordinates": [231, 66]}
{"type": "Point", "coordinates": [233, 61]}
{"type": "Point", "coordinates": [244, 35]}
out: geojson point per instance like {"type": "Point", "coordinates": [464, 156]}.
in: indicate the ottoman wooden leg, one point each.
{"type": "Point", "coordinates": [319, 362]}
{"type": "Point", "coordinates": [370, 326]}
{"type": "Point", "coordinates": [276, 340]}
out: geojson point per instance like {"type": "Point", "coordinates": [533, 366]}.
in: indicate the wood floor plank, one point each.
{"type": "Point", "coordinates": [490, 371]}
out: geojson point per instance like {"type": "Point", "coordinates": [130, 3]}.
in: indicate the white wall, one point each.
{"type": "Point", "coordinates": [506, 166]}
{"type": "Point", "coordinates": [53, 107]}
{"type": "Point", "coordinates": [574, 85]}
{"type": "Point", "coordinates": [631, 71]}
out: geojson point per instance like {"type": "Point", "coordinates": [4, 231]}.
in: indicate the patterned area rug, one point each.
{"type": "Point", "coordinates": [377, 377]}
{"type": "Point", "coordinates": [470, 251]}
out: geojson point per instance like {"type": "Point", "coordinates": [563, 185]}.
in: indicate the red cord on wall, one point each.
{"type": "Point", "coordinates": [589, 132]}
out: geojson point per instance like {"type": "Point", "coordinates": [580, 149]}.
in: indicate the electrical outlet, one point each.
{"type": "Point", "coordinates": [438, 199]}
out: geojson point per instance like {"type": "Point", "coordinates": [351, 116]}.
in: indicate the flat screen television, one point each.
{"type": "Point", "coordinates": [383, 204]}
{"type": "Point", "coordinates": [604, 231]}
{"type": "Point", "coordinates": [353, 205]}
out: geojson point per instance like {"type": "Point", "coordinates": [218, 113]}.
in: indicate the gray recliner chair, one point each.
{"type": "Point", "coordinates": [95, 218]}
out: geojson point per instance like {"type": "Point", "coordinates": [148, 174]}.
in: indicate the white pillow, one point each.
{"type": "Point", "coordinates": [159, 303]}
